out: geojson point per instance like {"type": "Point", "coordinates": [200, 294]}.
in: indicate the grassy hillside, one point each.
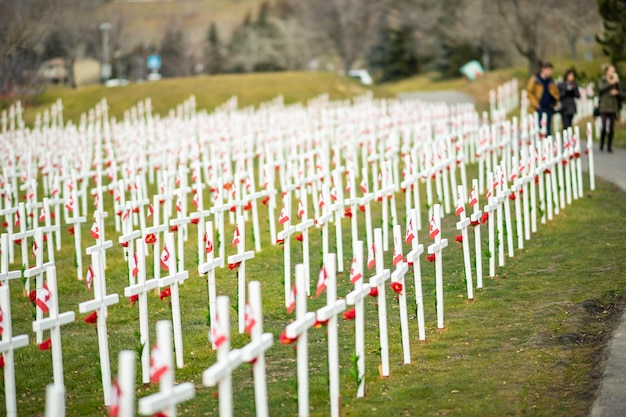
{"type": "Point", "coordinates": [210, 91]}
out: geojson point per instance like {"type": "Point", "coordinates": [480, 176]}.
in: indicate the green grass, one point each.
{"type": "Point", "coordinates": [210, 91]}
{"type": "Point", "coordinates": [504, 354]}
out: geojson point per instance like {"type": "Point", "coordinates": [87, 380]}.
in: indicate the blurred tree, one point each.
{"type": "Point", "coordinates": [393, 56]}
{"type": "Point", "coordinates": [173, 53]}
{"type": "Point", "coordinates": [613, 39]}
{"type": "Point", "coordinates": [348, 26]}
{"type": "Point", "coordinates": [214, 54]}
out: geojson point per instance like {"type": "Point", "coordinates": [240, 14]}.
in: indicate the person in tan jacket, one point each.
{"type": "Point", "coordinates": [543, 94]}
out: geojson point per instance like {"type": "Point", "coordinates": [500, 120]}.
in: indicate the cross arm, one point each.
{"type": "Point", "coordinates": [141, 287]}
{"type": "Point", "coordinates": [50, 322]}
{"type": "Point", "coordinates": [379, 279]}
{"type": "Point", "coordinates": [14, 342]}
{"type": "Point", "coordinates": [414, 253]}
{"type": "Point", "coordinates": [241, 257]}
{"type": "Point", "coordinates": [437, 247]}
{"type": "Point", "coordinates": [326, 312]}
{"type": "Point", "coordinates": [216, 373]}
{"type": "Point", "coordinates": [295, 329]}
{"type": "Point", "coordinates": [96, 248]}
{"type": "Point", "coordinates": [96, 304]}
{"type": "Point", "coordinates": [170, 279]}
{"type": "Point", "coordinates": [254, 349]}
{"type": "Point", "coordinates": [156, 402]}
{"type": "Point", "coordinates": [207, 266]}
{"type": "Point", "coordinates": [356, 295]}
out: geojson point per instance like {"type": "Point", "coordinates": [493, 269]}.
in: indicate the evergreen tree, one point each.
{"type": "Point", "coordinates": [613, 39]}
{"type": "Point", "coordinates": [214, 56]}
{"type": "Point", "coordinates": [172, 51]}
{"type": "Point", "coordinates": [393, 56]}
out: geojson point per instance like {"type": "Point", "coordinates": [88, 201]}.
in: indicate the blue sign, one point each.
{"type": "Point", "coordinates": [153, 62]}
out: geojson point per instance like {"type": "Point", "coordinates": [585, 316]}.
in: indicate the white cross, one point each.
{"type": "Point", "coordinates": [127, 239]}
{"type": "Point", "coordinates": [303, 228]}
{"type": "Point", "coordinates": [255, 350]}
{"type": "Point", "coordinates": [218, 209]}
{"type": "Point", "coordinates": [378, 281]}
{"type": "Point", "coordinates": [329, 313]}
{"type": "Point", "coordinates": [5, 275]}
{"type": "Point", "coordinates": [462, 226]}
{"type": "Point", "coordinates": [325, 216]}
{"type": "Point", "coordinates": [141, 289]}
{"type": "Point", "coordinates": [209, 267]}
{"type": "Point", "coordinates": [157, 230]}
{"type": "Point", "coordinates": [397, 277]}
{"type": "Point", "coordinates": [298, 329]}
{"type": "Point", "coordinates": [180, 223]}
{"type": "Point", "coordinates": [55, 401]}
{"type": "Point", "coordinates": [37, 271]}
{"type": "Point", "coordinates": [251, 198]}
{"type": "Point", "coordinates": [100, 305]}
{"type": "Point", "coordinates": [353, 202]}
{"type": "Point", "coordinates": [220, 373]}
{"type": "Point", "coordinates": [240, 258]}
{"type": "Point", "coordinates": [53, 322]}
{"type": "Point", "coordinates": [355, 298]}
{"type": "Point", "coordinates": [285, 236]}
{"type": "Point", "coordinates": [23, 235]}
{"type": "Point", "coordinates": [337, 208]}
{"type": "Point", "coordinates": [436, 249]}
{"type": "Point", "coordinates": [126, 370]}
{"type": "Point", "coordinates": [490, 209]}
{"type": "Point", "coordinates": [413, 258]}
{"type": "Point", "coordinates": [386, 191]}
{"type": "Point", "coordinates": [8, 213]}
{"type": "Point", "coordinates": [169, 395]}
{"type": "Point", "coordinates": [75, 220]}
{"type": "Point", "coordinates": [173, 280]}
{"type": "Point", "coordinates": [8, 343]}
{"type": "Point", "coordinates": [49, 228]}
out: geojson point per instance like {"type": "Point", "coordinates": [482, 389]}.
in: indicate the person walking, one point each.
{"type": "Point", "coordinates": [543, 94]}
{"type": "Point", "coordinates": [568, 93]}
{"type": "Point", "coordinates": [610, 95]}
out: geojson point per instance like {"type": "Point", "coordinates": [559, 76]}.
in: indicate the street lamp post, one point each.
{"type": "Point", "coordinates": [106, 66]}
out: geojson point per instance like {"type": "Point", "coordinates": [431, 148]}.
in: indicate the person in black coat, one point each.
{"type": "Point", "coordinates": [568, 93]}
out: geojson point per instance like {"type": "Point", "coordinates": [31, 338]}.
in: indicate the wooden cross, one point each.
{"type": "Point", "coordinates": [475, 218]}
{"type": "Point", "coordinates": [328, 314]}
{"type": "Point", "coordinates": [220, 373]}
{"type": "Point", "coordinates": [173, 280]}
{"type": "Point", "coordinates": [37, 271]}
{"type": "Point", "coordinates": [490, 209]}
{"type": "Point", "coordinates": [55, 401]}
{"type": "Point", "coordinates": [71, 202]}
{"type": "Point", "coordinates": [53, 322]}
{"type": "Point", "coordinates": [156, 230]}
{"type": "Point", "coordinates": [436, 249]}
{"type": "Point", "coordinates": [336, 207]}
{"type": "Point", "coordinates": [298, 329]}
{"type": "Point", "coordinates": [238, 262]}
{"type": "Point", "coordinates": [413, 258]}
{"type": "Point", "coordinates": [169, 395]}
{"type": "Point", "coordinates": [5, 275]}
{"type": "Point", "coordinates": [209, 267]}
{"type": "Point", "coordinates": [8, 343]}
{"type": "Point", "coordinates": [124, 386]}
{"type": "Point", "coordinates": [355, 298]}
{"type": "Point", "coordinates": [180, 225]}
{"type": "Point", "coordinates": [218, 210]}
{"type": "Point", "coordinates": [141, 289]}
{"type": "Point", "coordinates": [398, 284]}
{"type": "Point", "coordinates": [255, 350]}
{"type": "Point", "coordinates": [8, 213]}
{"type": "Point", "coordinates": [462, 226]}
{"type": "Point", "coordinates": [378, 281]}
{"type": "Point", "coordinates": [127, 239]}
{"type": "Point", "coordinates": [284, 218]}
{"type": "Point", "coordinates": [354, 203]}
{"type": "Point", "coordinates": [100, 305]}
{"type": "Point", "coordinates": [325, 216]}
{"type": "Point", "coordinates": [303, 228]}
{"type": "Point", "coordinates": [22, 236]}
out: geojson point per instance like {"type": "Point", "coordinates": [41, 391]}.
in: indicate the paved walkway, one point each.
{"type": "Point", "coordinates": [445, 96]}
{"type": "Point", "coordinates": [611, 396]}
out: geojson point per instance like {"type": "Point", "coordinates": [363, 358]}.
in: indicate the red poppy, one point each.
{"type": "Point", "coordinates": [174, 228]}
{"type": "Point", "coordinates": [300, 237]}
{"type": "Point", "coordinates": [136, 210]}
{"type": "Point", "coordinates": [349, 314]}
{"type": "Point", "coordinates": [166, 293]}
{"type": "Point", "coordinates": [133, 299]}
{"type": "Point", "coordinates": [536, 179]}
{"type": "Point", "coordinates": [234, 265]}
{"type": "Point", "coordinates": [374, 292]}
{"type": "Point", "coordinates": [431, 257]}
{"type": "Point", "coordinates": [1, 361]}
{"type": "Point", "coordinates": [484, 218]}
{"type": "Point", "coordinates": [547, 171]}
{"type": "Point", "coordinates": [397, 287]}
{"type": "Point", "coordinates": [576, 155]}
{"type": "Point", "coordinates": [248, 206]}
{"type": "Point", "coordinates": [92, 318]}
{"type": "Point", "coordinates": [347, 212]}
{"type": "Point", "coordinates": [265, 200]}
{"type": "Point", "coordinates": [45, 345]}
{"type": "Point", "coordinates": [362, 208]}
{"type": "Point", "coordinates": [227, 186]}
{"type": "Point", "coordinates": [379, 199]}
{"type": "Point", "coordinates": [320, 323]}
{"type": "Point", "coordinates": [195, 221]}
{"type": "Point", "coordinates": [280, 241]}
{"type": "Point", "coordinates": [512, 196]}
{"type": "Point", "coordinates": [150, 238]}
{"type": "Point", "coordinates": [5, 224]}
{"type": "Point", "coordinates": [71, 230]}
{"type": "Point", "coordinates": [474, 222]}
{"type": "Point", "coordinates": [124, 244]}
{"type": "Point", "coordinates": [459, 239]}
{"type": "Point", "coordinates": [286, 340]}
{"type": "Point", "coordinates": [45, 237]}
{"type": "Point", "coordinates": [32, 296]}
{"type": "Point", "coordinates": [19, 241]}
{"type": "Point", "coordinates": [160, 414]}
{"type": "Point", "coordinates": [232, 209]}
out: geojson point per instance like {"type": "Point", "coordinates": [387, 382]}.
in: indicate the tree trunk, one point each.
{"type": "Point", "coordinates": [71, 77]}
{"type": "Point", "coordinates": [533, 60]}
{"type": "Point", "coordinates": [486, 57]}
{"type": "Point", "coordinates": [571, 40]}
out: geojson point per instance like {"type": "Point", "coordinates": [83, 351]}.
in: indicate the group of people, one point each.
{"type": "Point", "coordinates": [547, 97]}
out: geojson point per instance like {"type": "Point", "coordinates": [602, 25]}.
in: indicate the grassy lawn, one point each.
{"type": "Point", "coordinates": [528, 344]}
{"type": "Point", "coordinates": [210, 91]}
